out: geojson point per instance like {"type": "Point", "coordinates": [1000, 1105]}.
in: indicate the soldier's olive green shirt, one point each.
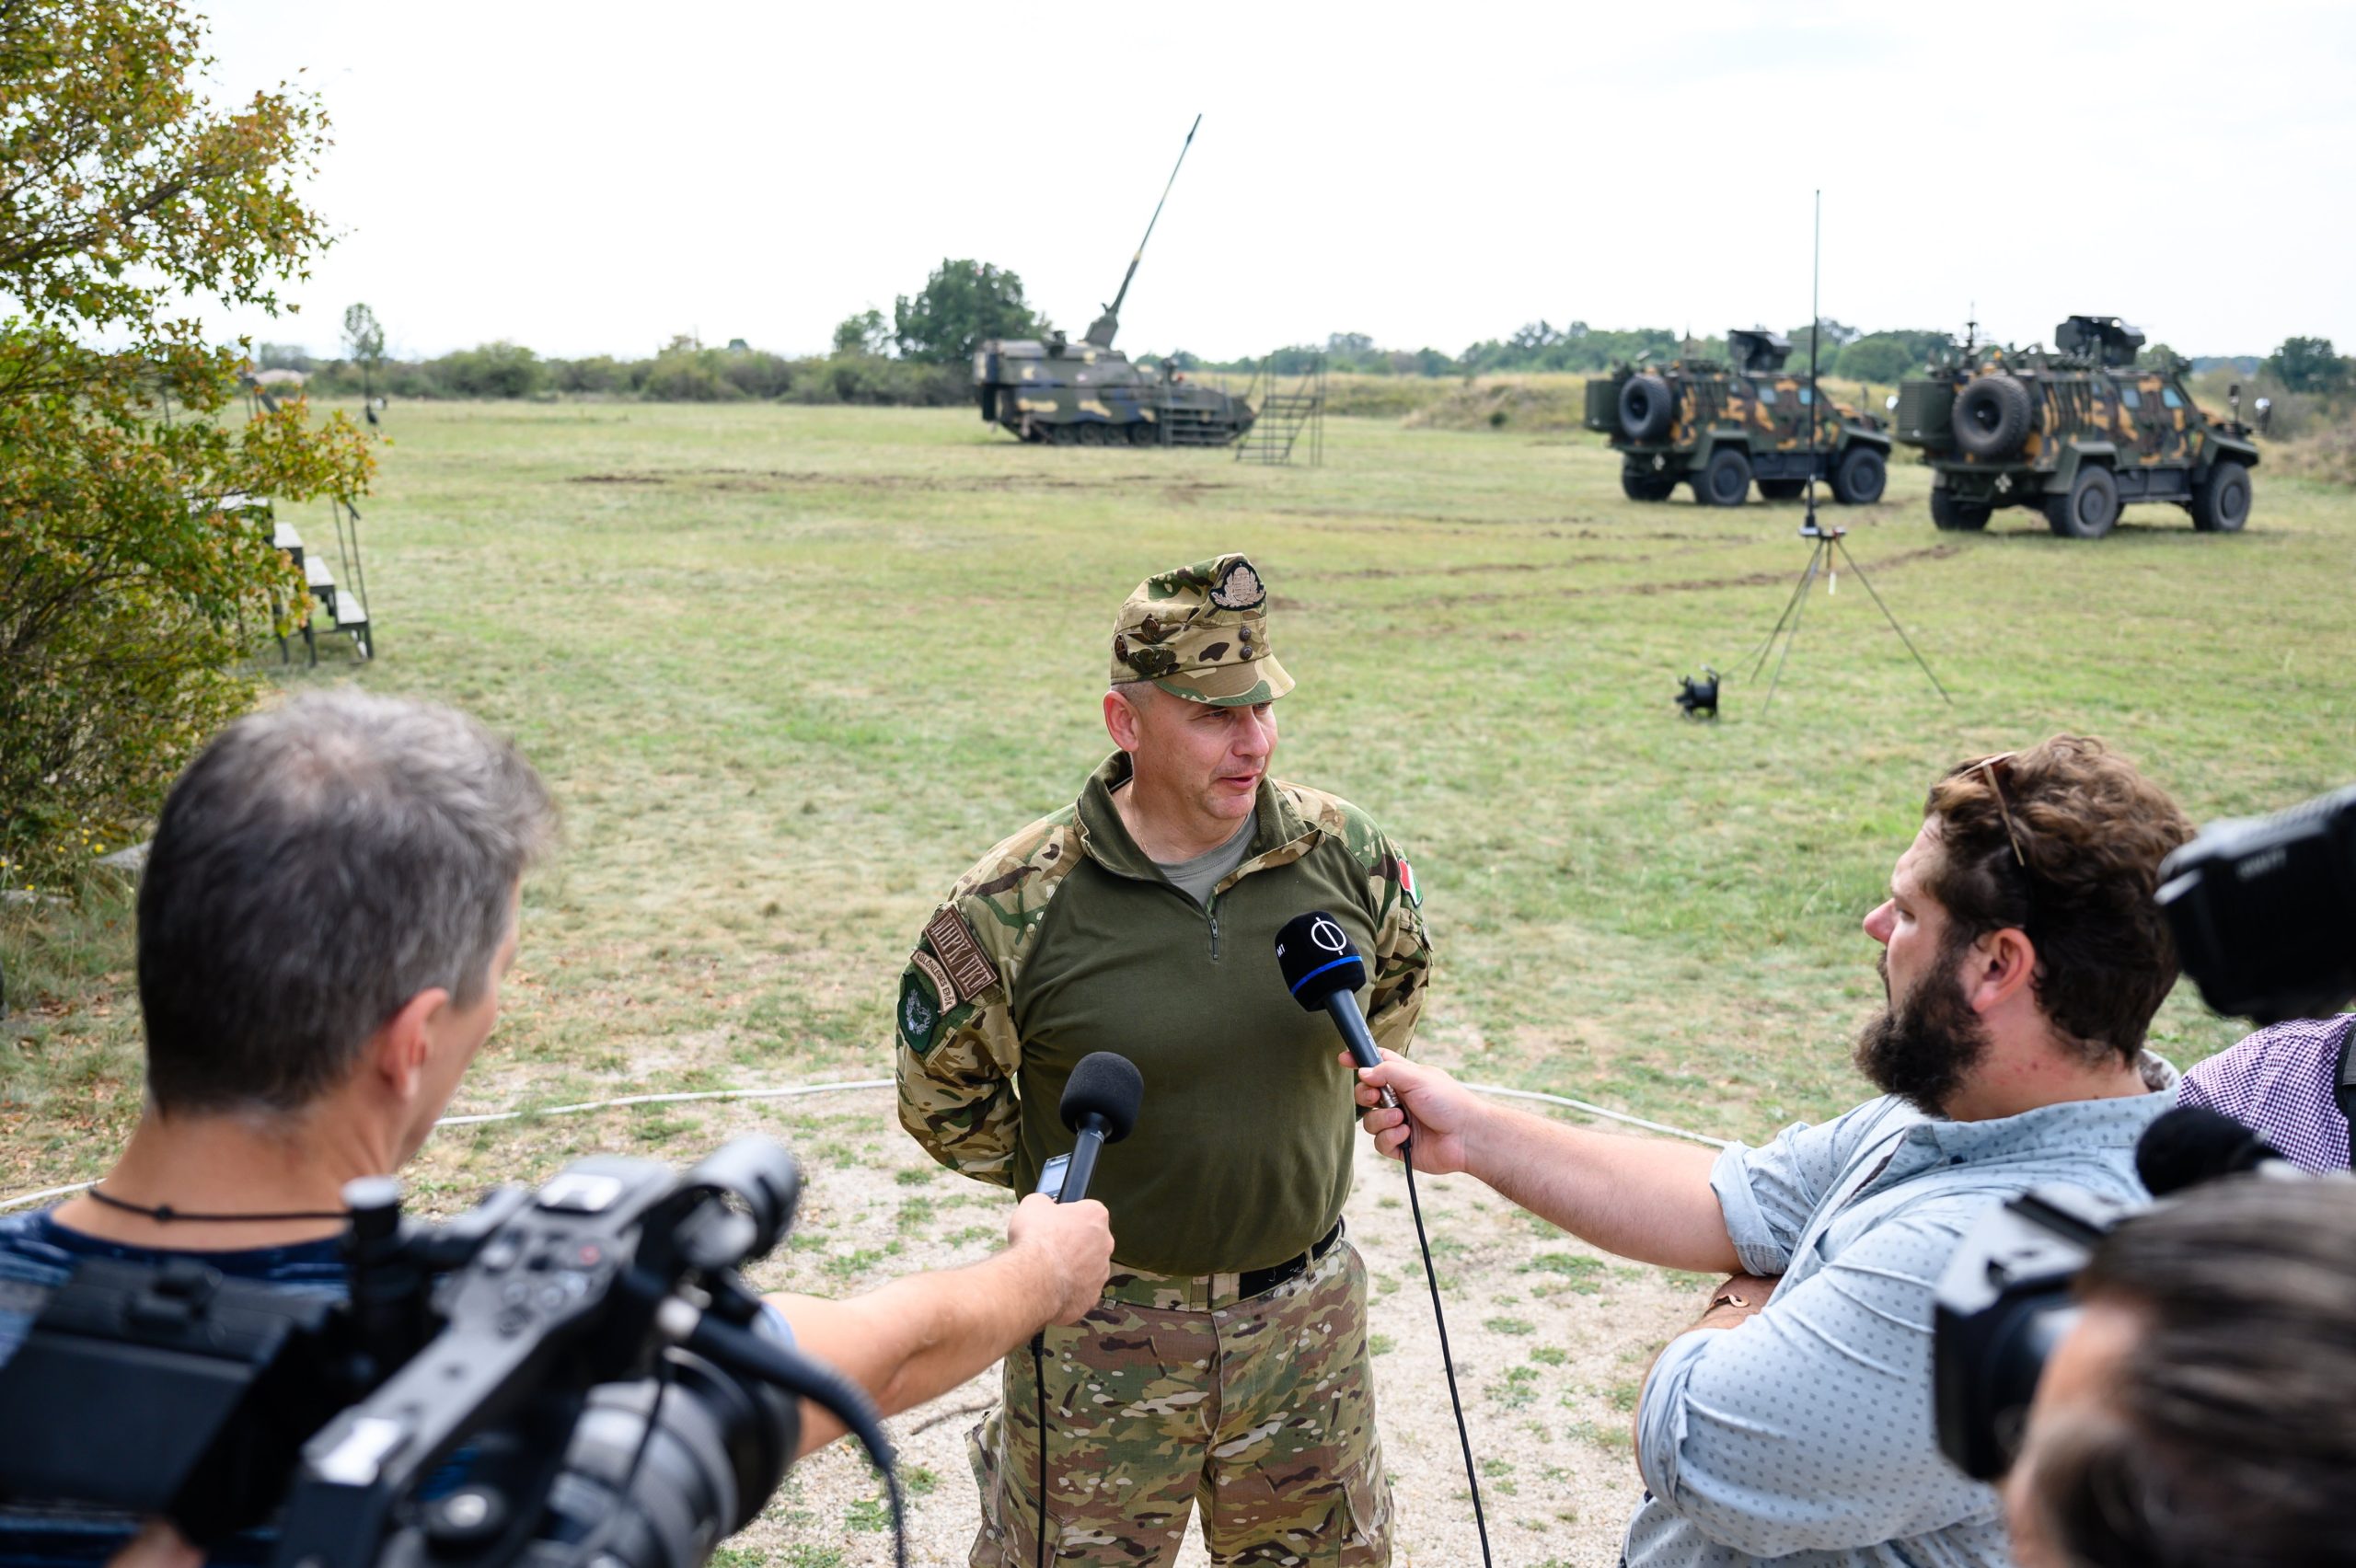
{"type": "Point", "coordinates": [1066, 939]}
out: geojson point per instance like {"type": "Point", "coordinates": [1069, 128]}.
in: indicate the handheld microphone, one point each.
{"type": "Point", "coordinates": [1100, 1104]}
{"type": "Point", "coordinates": [1322, 970]}
{"type": "Point", "coordinates": [2193, 1144]}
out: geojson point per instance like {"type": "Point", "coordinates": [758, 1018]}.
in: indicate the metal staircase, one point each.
{"type": "Point", "coordinates": [341, 606]}
{"type": "Point", "coordinates": [1286, 418]}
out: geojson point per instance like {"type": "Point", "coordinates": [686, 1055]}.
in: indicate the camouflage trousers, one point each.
{"type": "Point", "coordinates": [1166, 1398]}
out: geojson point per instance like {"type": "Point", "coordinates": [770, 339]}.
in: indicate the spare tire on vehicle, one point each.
{"type": "Point", "coordinates": [1991, 416]}
{"type": "Point", "coordinates": [1646, 408]}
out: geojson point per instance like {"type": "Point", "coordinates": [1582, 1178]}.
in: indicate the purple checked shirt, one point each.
{"type": "Point", "coordinates": [2282, 1082]}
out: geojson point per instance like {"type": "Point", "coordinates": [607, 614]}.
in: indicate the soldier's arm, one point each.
{"type": "Point", "coordinates": [957, 1054]}
{"type": "Point", "coordinates": [1403, 951]}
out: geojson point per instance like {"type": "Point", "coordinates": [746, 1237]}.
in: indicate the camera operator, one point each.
{"type": "Point", "coordinates": [326, 915]}
{"type": "Point", "coordinates": [2201, 1412]}
{"type": "Point", "coordinates": [2024, 954]}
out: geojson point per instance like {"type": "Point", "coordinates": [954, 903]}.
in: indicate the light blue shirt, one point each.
{"type": "Point", "coordinates": [1806, 1436]}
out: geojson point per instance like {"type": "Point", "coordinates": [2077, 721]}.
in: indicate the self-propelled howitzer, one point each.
{"type": "Point", "coordinates": [1089, 394]}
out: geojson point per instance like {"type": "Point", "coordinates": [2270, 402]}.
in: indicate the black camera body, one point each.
{"type": "Point", "coordinates": [2002, 1304]}
{"type": "Point", "coordinates": [2264, 910]}
{"type": "Point", "coordinates": [585, 1352]}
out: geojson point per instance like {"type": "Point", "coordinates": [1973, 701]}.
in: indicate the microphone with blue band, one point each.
{"type": "Point", "coordinates": [1324, 969]}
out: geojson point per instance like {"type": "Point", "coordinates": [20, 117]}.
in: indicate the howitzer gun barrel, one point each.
{"type": "Point", "coordinates": [1100, 333]}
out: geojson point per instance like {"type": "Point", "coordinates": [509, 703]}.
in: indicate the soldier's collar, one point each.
{"type": "Point", "coordinates": [1104, 838]}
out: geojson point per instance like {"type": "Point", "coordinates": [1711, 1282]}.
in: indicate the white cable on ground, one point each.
{"type": "Point", "coordinates": [799, 1089]}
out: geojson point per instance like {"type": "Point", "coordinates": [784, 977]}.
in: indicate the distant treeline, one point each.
{"type": "Point", "coordinates": [684, 372]}
{"type": "Point", "coordinates": [862, 369]}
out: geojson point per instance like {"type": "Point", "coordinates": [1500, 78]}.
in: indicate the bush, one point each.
{"type": "Point", "coordinates": [130, 582]}
{"type": "Point", "coordinates": [493, 370]}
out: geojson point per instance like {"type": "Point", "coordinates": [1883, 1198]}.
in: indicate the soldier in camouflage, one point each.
{"type": "Point", "coordinates": [1226, 1367]}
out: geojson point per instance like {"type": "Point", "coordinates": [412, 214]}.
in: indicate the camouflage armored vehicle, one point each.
{"type": "Point", "coordinates": [2076, 432]}
{"type": "Point", "coordinates": [1088, 394]}
{"type": "Point", "coordinates": [1718, 427]}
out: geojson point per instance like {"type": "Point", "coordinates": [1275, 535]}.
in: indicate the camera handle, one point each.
{"type": "Point", "coordinates": [747, 1355]}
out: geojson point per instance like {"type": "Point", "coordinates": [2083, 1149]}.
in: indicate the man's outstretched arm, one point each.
{"type": "Point", "coordinates": [1644, 1198]}
{"type": "Point", "coordinates": [918, 1337]}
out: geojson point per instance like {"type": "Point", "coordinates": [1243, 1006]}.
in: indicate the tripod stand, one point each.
{"type": "Point", "coordinates": [1829, 543]}
{"type": "Point", "coordinates": [1828, 540]}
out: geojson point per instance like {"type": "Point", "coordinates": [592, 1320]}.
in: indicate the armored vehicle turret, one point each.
{"type": "Point", "coordinates": [1719, 426]}
{"type": "Point", "coordinates": [2076, 432]}
{"type": "Point", "coordinates": [1089, 394]}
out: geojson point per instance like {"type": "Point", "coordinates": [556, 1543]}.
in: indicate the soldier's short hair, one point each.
{"type": "Point", "coordinates": [314, 867]}
{"type": "Point", "coordinates": [2065, 841]}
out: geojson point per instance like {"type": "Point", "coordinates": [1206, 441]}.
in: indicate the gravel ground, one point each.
{"type": "Point", "coordinates": [1551, 1339]}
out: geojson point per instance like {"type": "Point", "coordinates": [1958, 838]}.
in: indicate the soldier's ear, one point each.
{"type": "Point", "coordinates": [1121, 719]}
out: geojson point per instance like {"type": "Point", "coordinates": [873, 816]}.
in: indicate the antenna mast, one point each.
{"type": "Point", "coordinates": [1100, 333]}
{"type": "Point", "coordinates": [1815, 326]}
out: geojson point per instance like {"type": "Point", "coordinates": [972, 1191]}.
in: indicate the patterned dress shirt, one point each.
{"type": "Point", "coordinates": [2284, 1081]}
{"type": "Point", "coordinates": [1805, 1436]}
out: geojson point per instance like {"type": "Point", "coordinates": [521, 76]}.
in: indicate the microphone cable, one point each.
{"type": "Point", "coordinates": [1447, 1360]}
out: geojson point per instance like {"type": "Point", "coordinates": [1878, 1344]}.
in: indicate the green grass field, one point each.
{"type": "Point", "coordinates": [789, 670]}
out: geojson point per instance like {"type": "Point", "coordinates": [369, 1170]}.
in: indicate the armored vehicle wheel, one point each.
{"type": "Point", "coordinates": [1646, 408]}
{"type": "Point", "coordinates": [1093, 434]}
{"type": "Point", "coordinates": [2221, 504]}
{"type": "Point", "coordinates": [2090, 508]}
{"type": "Point", "coordinates": [1637, 486]}
{"type": "Point", "coordinates": [1991, 416]}
{"type": "Point", "coordinates": [1955, 514]}
{"type": "Point", "coordinates": [1144, 434]}
{"type": "Point", "coordinates": [1063, 435]}
{"type": "Point", "coordinates": [1859, 477]}
{"type": "Point", "coordinates": [1725, 480]}
{"type": "Point", "coordinates": [1782, 489]}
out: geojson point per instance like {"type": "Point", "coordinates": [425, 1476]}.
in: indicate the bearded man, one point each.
{"type": "Point", "coordinates": [2024, 954]}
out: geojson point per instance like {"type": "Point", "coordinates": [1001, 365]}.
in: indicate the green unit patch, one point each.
{"type": "Point", "coordinates": [920, 1011]}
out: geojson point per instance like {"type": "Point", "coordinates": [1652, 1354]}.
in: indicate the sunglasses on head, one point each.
{"type": "Point", "coordinates": [1999, 769]}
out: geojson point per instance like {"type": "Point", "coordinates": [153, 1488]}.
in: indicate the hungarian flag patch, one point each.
{"type": "Point", "coordinates": [1407, 882]}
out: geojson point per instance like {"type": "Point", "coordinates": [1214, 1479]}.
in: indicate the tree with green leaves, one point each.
{"type": "Point", "coordinates": [2308, 364]}
{"type": "Point", "coordinates": [865, 333]}
{"type": "Point", "coordinates": [364, 345]}
{"type": "Point", "coordinates": [962, 304]}
{"type": "Point", "coordinates": [135, 569]}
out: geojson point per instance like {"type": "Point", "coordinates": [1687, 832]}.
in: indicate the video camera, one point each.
{"type": "Point", "coordinates": [574, 1375]}
{"type": "Point", "coordinates": [2264, 913]}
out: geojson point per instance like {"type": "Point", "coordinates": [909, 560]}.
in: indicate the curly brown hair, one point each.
{"type": "Point", "coordinates": [2065, 842]}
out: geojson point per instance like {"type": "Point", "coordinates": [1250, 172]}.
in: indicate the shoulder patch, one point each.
{"type": "Point", "coordinates": [1407, 882]}
{"type": "Point", "coordinates": [921, 1009]}
{"type": "Point", "coordinates": [942, 987]}
{"type": "Point", "coordinates": [969, 969]}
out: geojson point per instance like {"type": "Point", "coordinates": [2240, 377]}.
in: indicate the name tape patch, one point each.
{"type": "Point", "coordinates": [970, 970]}
{"type": "Point", "coordinates": [942, 987]}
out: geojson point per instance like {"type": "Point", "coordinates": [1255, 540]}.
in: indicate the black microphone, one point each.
{"type": "Point", "coordinates": [1100, 1104]}
{"type": "Point", "coordinates": [1322, 970]}
{"type": "Point", "coordinates": [2193, 1144]}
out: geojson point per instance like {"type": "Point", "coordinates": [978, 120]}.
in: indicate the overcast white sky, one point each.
{"type": "Point", "coordinates": [592, 177]}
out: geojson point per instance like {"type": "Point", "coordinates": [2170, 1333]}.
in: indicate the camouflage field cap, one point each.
{"type": "Point", "coordinates": [1201, 632]}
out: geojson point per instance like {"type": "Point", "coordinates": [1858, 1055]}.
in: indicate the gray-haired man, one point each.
{"type": "Point", "coordinates": [324, 922]}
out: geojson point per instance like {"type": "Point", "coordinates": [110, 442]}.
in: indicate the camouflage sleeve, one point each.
{"type": "Point", "coordinates": [1403, 951]}
{"type": "Point", "coordinates": [958, 1051]}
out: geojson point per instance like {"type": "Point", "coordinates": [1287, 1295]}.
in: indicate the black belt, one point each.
{"type": "Point", "coordinates": [1259, 1282]}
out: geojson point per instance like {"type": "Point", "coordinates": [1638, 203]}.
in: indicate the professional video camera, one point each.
{"type": "Point", "coordinates": [574, 1375]}
{"type": "Point", "coordinates": [2264, 912]}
